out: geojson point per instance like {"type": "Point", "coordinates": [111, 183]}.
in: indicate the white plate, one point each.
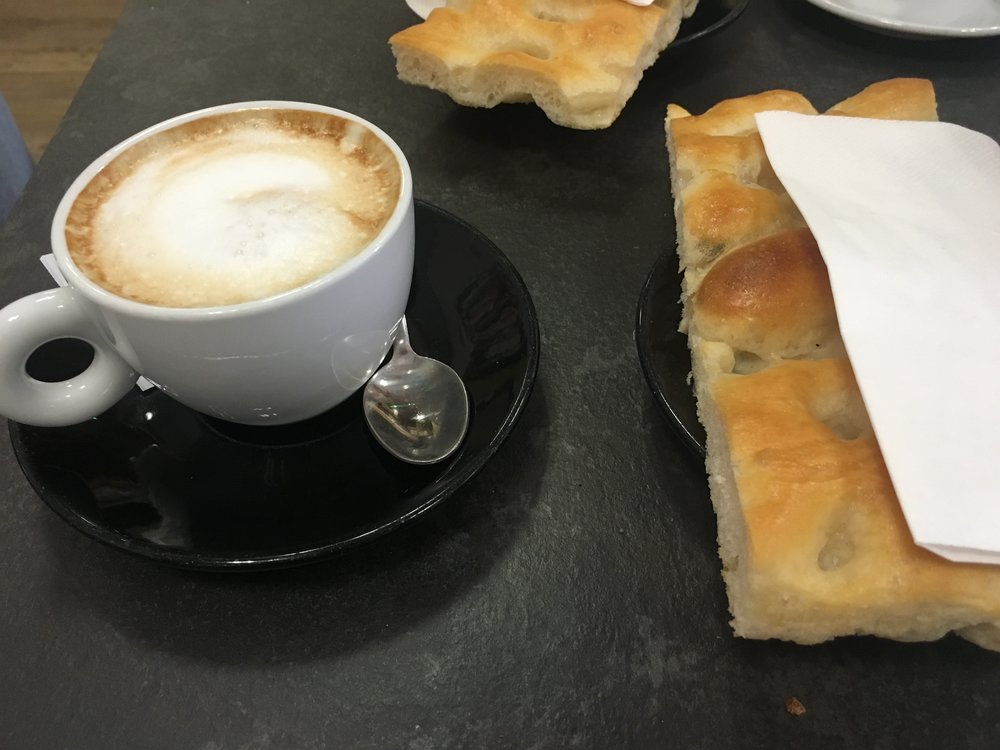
{"type": "Point", "coordinates": [941, 18]}
{"type": "Point", "coordinates": [423, 8]}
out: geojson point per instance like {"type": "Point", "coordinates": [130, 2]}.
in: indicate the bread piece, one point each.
{"type": "Point", "coordinates": [579, 60]}
{"type": "Point", "coordinates": [811, 536]}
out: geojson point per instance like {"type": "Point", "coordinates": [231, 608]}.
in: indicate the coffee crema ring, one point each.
{"type": "Point", "coordinates": [233, 207]}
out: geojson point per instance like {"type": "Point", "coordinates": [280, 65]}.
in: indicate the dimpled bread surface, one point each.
{"type": "Point", "coordinates": [812, 539]}
{"type": "Point", "coordinates": [579, 60]}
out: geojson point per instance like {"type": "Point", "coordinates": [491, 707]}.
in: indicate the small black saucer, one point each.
{"type": "Point", "coordinates": [663, 350]}
{"type": "Point", "coordinates": [710, 16]}
{"type": "Point", "coordinates": [159, 480]}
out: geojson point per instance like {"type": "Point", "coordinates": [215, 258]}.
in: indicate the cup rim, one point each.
{"type": "Point", "coordinates": [101, 296]}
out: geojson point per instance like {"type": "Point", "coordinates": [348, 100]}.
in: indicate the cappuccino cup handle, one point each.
{"type": "Point", "coordinates": [35, 320]}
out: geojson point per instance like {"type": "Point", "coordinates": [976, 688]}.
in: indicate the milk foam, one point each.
{"type": "Point", "coordinates": [243, 213]}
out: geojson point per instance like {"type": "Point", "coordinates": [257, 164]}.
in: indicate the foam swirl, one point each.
{"type": "Point", "coordinates": [233, 208]}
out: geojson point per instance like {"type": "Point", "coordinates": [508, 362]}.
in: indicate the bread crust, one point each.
{"type": "Point", "coordinates": [812, 539]}
{"type": "Point", "coordinates": [771, 297]}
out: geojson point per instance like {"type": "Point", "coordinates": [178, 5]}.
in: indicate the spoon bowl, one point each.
{"type": "Point", "coordinates": [416, 407]}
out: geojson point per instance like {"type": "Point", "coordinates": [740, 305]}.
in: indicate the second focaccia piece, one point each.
{"type": "Point", "coordinates": [811, 536]}
{"type": "Point", "coordinates": [579, 60]}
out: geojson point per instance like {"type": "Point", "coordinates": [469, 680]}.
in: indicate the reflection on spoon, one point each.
{"type": "Point", "coordinates": [416, 407]}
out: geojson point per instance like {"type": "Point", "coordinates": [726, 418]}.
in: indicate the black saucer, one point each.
{"type": "Point", "coordinates": [710, 16]}
{"type": "Point", "coordinates": [663, 350]}
{"type": "Point", "coordinates": [159, 480]}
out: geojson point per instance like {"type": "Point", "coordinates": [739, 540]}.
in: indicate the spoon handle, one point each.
{"type": "Point", "coordinates": [402, 343]}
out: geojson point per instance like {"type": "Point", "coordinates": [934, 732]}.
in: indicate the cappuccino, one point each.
{"type": "Point", "coordinates": [234, 207]}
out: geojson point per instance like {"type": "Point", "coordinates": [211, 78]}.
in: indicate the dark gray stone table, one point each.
{"type": "Point", "coordinates": [570, 595]}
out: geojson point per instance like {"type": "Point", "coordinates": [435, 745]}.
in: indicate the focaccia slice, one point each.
{"type": "Point", "coordinates": [811, 536]}
{"type": "Point", "coordinates": [579, 60]}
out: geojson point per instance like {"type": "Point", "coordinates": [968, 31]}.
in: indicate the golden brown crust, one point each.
{"type": "Point", "coordinates": [724, 188]}
{"type": "Point", "coordinates": [898, 99]}
{"type": "Point", "coordinates": [825, 533]}
{"type": "Point", "coordinates": [811, 535]}
{"type": "Point", "coordinates": [771, 297]}
{"type": "Point", "coordinates": [579, 60]}
{"type": "Point", "coordinates": [736, 116]}
{"type": "Point", "coordinates": [739, 155]}
{"type": "Point", "coordinates": [721, 212]}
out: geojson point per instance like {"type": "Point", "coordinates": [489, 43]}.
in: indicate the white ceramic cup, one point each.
{"type": "Point", "coordinates": [270, 361]}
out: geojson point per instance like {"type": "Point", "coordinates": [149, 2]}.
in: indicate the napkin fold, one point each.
{"type": "Point", "coordinates": [907, 217]}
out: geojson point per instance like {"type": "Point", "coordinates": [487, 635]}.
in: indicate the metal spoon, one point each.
{"type": "Point", "coordinates": [416, 407]}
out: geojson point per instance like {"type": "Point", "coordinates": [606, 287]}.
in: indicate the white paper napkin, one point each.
{"type": "Point", "coordinates": [49, 261]}
{"type": "Point", "coordinates": [907, 216]}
